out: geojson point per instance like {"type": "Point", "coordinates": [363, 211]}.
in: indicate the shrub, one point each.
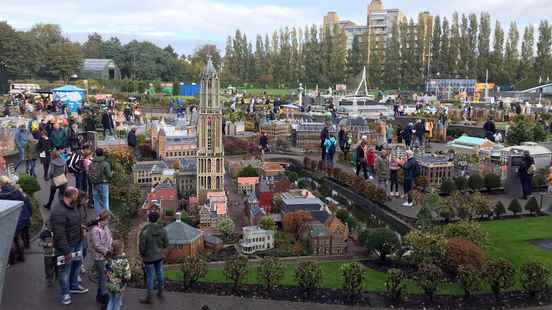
{"type": "Point", "coordinates": [353, 278]}
{"type": "Point", "coordinates": [535, 278]}
{"type": "Point", "coordinates": [470, 279]}
{"type": "Point", "coordinates": [492, 181]}
{"type": "Point", "coordinates": [270, 273]}
{"type": "Point", "coordinates": [29, 184]}
{"type": "Point", "coordinates": [462, 252]}
{"type": "Point", "coordinates": [248, 171]}
{"type": "Point", "coordinates": [499, 274]}
{"type": "Point", "coordinates": [538, 180]}
{"type": "Point", "coordinates": [461, 183]}
{"type": "Point", "coordinates": [292, 176]}
{"type": "Point", "coordinates": [235, 270]}
{"type": "Point", "coordinates": [429, 277]}
{"type": "Point", "coordinates": [475, 182]}
{"type": "Point", "coordinates": [308, 275]}
{"type": "Point", "coordinates": [226, 226]}
{"type": "Point", "coordinates": [395, 284]}
{"type": "Point", "coordinates": [447, 186]}
{"type": "Point", "coordinates": [533, 206]}
{"type": "Point", "coordinates": [267, 223]}
{"type": "Point", "coordinates": [499, 209]}
{"type": "Point", "coordinates": [169, 212]}
{"type": "Point", "coordinates": [469, 230]}
{"type": "Point", "coordinates": [383, 241]}
{"type": "Point", "coordinates": [426, 247]}
{"type": "Point", "coordinates": [515, 206]}
{"type": "Point", "coordinates": [422, 182]}
{"type": "Point", "coordinates": [193, 269]}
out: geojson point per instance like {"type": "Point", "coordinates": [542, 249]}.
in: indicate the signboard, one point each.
{"type": "Point", "coordinates": [340, 87]}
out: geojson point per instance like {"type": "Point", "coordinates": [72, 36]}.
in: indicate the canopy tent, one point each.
{"type": "Point", "coordinates": [71, 96]}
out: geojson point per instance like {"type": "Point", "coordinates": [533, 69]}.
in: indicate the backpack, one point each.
{"type": "Point", "coordinates": [95, 173]}
{"type": "Point", "coordinates": [73, 164]}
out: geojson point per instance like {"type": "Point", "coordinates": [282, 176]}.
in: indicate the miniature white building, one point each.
{"type": "Point", "coordinates": [256, 239]}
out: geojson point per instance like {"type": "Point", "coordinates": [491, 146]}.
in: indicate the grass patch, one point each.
{"type": "Point", "coordinates": [269, 91]}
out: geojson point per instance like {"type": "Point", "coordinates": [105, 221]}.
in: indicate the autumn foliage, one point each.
{"type": "Point", "coordinates": [293, 220]}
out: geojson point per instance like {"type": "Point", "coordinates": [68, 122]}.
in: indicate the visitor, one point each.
{"type": "Point", "coordinates": [107, 123]}
{"type": "Point", "coordinates": [323, 136]}
{"type": "Point", "coordinates": [419, 132]}
{"type": "Point", "coordinates": [399, 134]}
{"type": "Point", "coordinates": [100, 240]}
{"type": "Point", "coordinates": [66, 224]}
{"type": "Point", "coordinates": [74, 167]}
{"type": "Point", "coordinates": [394, 175]}
{"type": "Point", "coordinates": [525, 173]}
{"type": "Point", "coordinates": [389, 133]}
{"type": "Point", "coordinates": [31, 156]}
{"type": "Point", "coordinates": [89, 123]}
{"type": "Point", "coordinates": [371, 162]}
{"type": "Point", "coordinates": [21, 238]}
{"type": "Point", "coordinates": [348, 143]}
{"type": "Point", "coordinates": [44, 148]}
{"type": "Point", "coordinates": [152, 242]}
{"type": "Point", "coordinates": [100, 175]}
{"type": "Point", "coordinates": [341, 138]}
{"type": "Point", "coordinates": [407, 135]}
{"type": "Point", "coordinates": [263, 143]}
{"type": "Point", "coordinates": [429, 131]}
{"type": "Point", "coordinates": [118, 276]}
{"type": "Point", "coordinates": [57, 176]}
{"type": "Point", "coordinates": [382, 169]}
{"type": "Point", "coordinates": [58, 136]}
{"type": "Point", "coordinates": [410, 168]}
{"type": "Point", "coordinates": [132, 142]}
{"type": "Point", "coordinates": [330, 146]}
{"type": "Point", "coordinates": [549, 177]}
{"type": "Point", "coordinates": [73, 137]}
{"type": "Point", "coordinates": [360, 157]}
{"type": "Point", "coordinates": [21, 141]}
{"type": "Point", "coordinates": [47, 243]}
{"type": "Point", "coordinates": [490, 129]}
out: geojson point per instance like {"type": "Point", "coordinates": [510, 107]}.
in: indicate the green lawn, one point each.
{"type": "Point", "coordinates": [269, 91]}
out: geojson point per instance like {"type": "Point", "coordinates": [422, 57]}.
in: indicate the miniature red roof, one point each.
{"type": "Point", "coordinates": [248, 180]}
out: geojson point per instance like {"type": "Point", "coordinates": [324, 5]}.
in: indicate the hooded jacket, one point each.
{"type": "Point", "coordinates": [57, 168]}
{"type": "Point", "coordinates": [10, 192]}
{"type": "Point", "coordinates": [59, 137]}
{"type": "Point", "coordinates": [153, 239]}
{"type": "Point", "coordinates": [105, 167]}
{"type": "Point", "coordinates": [65, 222]}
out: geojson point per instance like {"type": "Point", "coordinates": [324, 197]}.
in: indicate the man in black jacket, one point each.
{"type": "Point", "coordinates": [21, 237]}
{"type": "Point", "coordinates": [107, 123]}
{"type": "Point", "coordinates": [132, 142]}
{"type": "Point", "coordinates": [525, 173]}
{"type": "Point", "coordinates": [66, 224]}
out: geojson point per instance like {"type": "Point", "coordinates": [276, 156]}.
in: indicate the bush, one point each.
{"type": "Point", "coordinates": [308, 275]}
{"type": "Point", "coordinates": [461, 183]}
{"type": "Point", "coordinates": [235, 270]}
{"type": "Point", "coordinates": [29, 184]}
{"type": "Point", "coordinates": [193, 269]}
{"type": "Point", "coordinates": [499, 209]}
{"type": "Point", "coordinates": [422, 182]}
{"type": "Point", "coordinates": [492, 181]}
{"type": "Point", "coordinates": [226, 226]}
{"type": "Point", "coordinates": [475, 182]}
{"type": "Point", "coordinates": [395, 284]}
{"type": "Point", "coordinates": [248, 171]}
{"type": "Point", "coordinates": [169, 212]}
{"type": "Point", "coordinates": [515, 206]}
{"type": "Point", "coordinates": [462, 252]}
{"type": "Point", "coordinates": [470, 279]}
{"type": "Point", "coordinates": [426, 247]}
{"type": "Point", "coordinates": [353, 278]}
{"type": "Point", "coordinates": [469, 230]}
{"type": "Point", "coordinates": [448, 186]}
{"type": "Point", "coordinates": [429, 277]}
{"type": "Point", "coordinates": [267, 223]}
{"type": "Point", "coordinates": [538, 180]}
{"type": "Point", "coordinates": [535, 278]}
{"type": "Point", "coordinates": [383, 241]}
{"type": "Point", "coordinates": [533, 206]}
{"type": "Point", "coordinates": [292, 176]}
{"type": "Point", "coordinates": [270, 273]}
{"type": "Point", "coordinates": [499, 274]}
{"type": "Point", "coordinates": [481, 205]}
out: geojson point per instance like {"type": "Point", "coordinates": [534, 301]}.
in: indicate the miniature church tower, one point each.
{"type": "Point", "coordinates": [210, 151]}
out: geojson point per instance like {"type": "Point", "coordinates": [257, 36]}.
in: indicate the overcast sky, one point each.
{"type": "Point", "coordinates": [186, 24]}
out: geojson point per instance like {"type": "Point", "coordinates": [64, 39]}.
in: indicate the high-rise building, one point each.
{"type": "Point", "coordinates": [351, 30]}
{"type": "Point", "coordinates": [210, 151]}
{"type": "Point", "coordinates": [380, 24]}
{"type": "Point", "coordinates": [330, 20]}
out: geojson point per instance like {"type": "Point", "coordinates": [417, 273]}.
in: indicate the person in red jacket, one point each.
{"type": "Point", "coordinates": [371, 161]}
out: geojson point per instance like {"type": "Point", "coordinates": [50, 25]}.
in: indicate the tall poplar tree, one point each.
{"type": "Point", "coordinates": [444, 57]}
{"type": "Point", "coordinates": [392, 65]}
{"type": "Point", "coordinates": [435, 65]}
{"type": "Point", "coordinates": [527, 53]}
{"type": "Point", "coordinates": [511, 55]}
{"type": "Point", "coordinates": [496, 71]}
{"type": "Point", "coordinates": [543, 61]}
{"type": "Point", "coordinates": [484, 45]}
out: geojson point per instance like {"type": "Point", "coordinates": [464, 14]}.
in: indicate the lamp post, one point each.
{"type": "Point", "coordinates": [300, 90]}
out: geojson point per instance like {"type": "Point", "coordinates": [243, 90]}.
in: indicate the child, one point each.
{"type": "Point", "coordinates": [550, 180]}
{"type": "Point", "coordinates": [117, 276]}
{"type": "Point", "coordinates": [47, 243]}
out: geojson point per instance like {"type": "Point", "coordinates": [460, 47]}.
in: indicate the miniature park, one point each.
{"type": "Point", "coordinates": [257, 202]}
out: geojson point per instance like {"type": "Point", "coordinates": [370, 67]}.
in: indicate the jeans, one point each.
{"type": "Point", "coordinates": [526, 186]}
{"type": "Point", "coordinates": [45, 165]}
{"type": "Point", "coordinates": [361, 165]}
{"type": "Point", "coordinates": [115, 301]}
{"type": "Point", "coordinates": [69, 273]}
{"type": "Point", "coordinates": [100, 194]}
{"type": "Point", "coordinates": [394, 178]}
{"type": "Point", "coordinates": [157, 269]}
{"type": "Point", "coordinates": [50, 267]}
{"type": "Point", "coordinates": [31, 164]}
{"type": "Point", "coordinates": [80, 181]}
{"type": "Point", "coordinates": [330, 162]}
{"type": "Point", "coordinates": [408, 187]}
{"type": "Point", "coordinates": [21, 157]}
{"type": "Point", "coordinates": [108, 130]}
{"type": "Point", "coordinates": [101, 277]}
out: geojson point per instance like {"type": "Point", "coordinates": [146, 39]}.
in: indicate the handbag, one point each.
{"type": "Point", "coordinates": [60, 180]}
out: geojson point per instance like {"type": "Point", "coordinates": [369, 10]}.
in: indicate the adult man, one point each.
{"type": "Point", "coordinates": [100, 175]}
{"type": "Point", "coordinates": [152, 241]}
{"type": "Point", "coordinates": [263, 143]}
{"type": "Point", "coordinates": [66, 224]}
{"type": "Point", "coordinates": [525, 173]}
{"type": "Point", "coordinates": [407, 135]}
{"type": "Point", "coordinates": [100, 241]}
{"type": "Point", "coordinates": [132, 142]}
{"type": "Point", "coordinates": [21, 141]}
{"type": "Point", "coordinates": [324, 134]}
{"type": "Point", "coordinates": [107, 123]}
{"type": "Point", "coordinates": [361, 163]}
{"type": "Point", "coordinates": [410, 168]}
{"type": "Point", "coordinates": [342, 138]}
{"type": "Point", "coordinates": [419, 133]}
{"type": "Point", "coordinates": [490, 129]}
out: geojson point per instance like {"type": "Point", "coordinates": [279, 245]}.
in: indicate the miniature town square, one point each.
{"type": "Point", "coordinates": [227, 184]}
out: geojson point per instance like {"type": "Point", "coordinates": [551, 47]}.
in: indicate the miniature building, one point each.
{"type": "Point", "coordinates": [294, 204]}
{"type": "Point", "coordinates": [469, 144]}
{"type": "Point", "coordinates": [171, 142]}
{"type": "Point", "coordinates": [436, 168]}
{"type": "Point", "coordinates": [213, 242]}
{"type": "Point", "coordinates": [269, 169]}
{"type": "Point", "coordinates": [253, 211]}
{"type": "Point", "coordinates": [541, 154]}
{"type": "Point", "coordinates": [143, 171]}
{"type": "Point", "coordinates": [112, 144]}
{"type": "Point", "coordinates": [307, 135]}
{"type": "Point", "coordinates": [186, 178]}
{"type": "Point", "coordinates": [184, 240]}
{"type": "Point", "coordinates": [328, 238]}
{"type": "Point", "coordinates": [256, 239]}
{"type": "Point", "coordinates": [247, 185]}
{"type": "Point", "coordinates": [215, 209]}
{"type": "Point", "coordinates": [276, 130]}
{"type": "Point", "coordinates": [163, 196]}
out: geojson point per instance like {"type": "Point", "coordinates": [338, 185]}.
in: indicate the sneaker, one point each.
{"type": "Point", "coordinates": [78, 290]}
{"type": "Point", "coordinates": [66, 299]}
{"type": "Point", "coordinates": [79, 279]}
{"type": "Point", "coordinates": [83, 270]}
{"type": "Point", "coordinates": [406, 204]}
{"type": "Point", "coordinates": [371, 177]}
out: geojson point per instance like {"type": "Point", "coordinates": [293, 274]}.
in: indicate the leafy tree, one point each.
{"type": "Point", "coordinates": [527, 53]}
{"type": "Point", "coordinates": [395, 284]}
{"type": "Point", "coordinates": [470, 279]}
{"type": "Point", "coordinates": [436, 48]}
{"type": "Point", "coordinates": [226, 226]}
{"type": "Point", "coordinates": [270, 273]}
{"type": "Point", "coordinates": [483, 46]}
{"type": "Point", "coordinates": [235, 270]}
{"type": "Point", "coordinates": [248, 171]}
{"type": "Point", "coordinates": [492, 181]}
{"type": "Point", "coordinates": [292, 176]}
{"type": "Point", "coordinates": [461, 183]}
{"type": "Point", "coordinates": [429, 277]}
{"type": "Point", "coordinates": [308, 275]}
{"type": "Point", "coordinates": [93, 47]}
{"type": "Point", "coordinates": [382, 241]}
{"type": "Point", "coordinates": [499, 274]}
{"type": "Point", "coordinates": [496, 61]}
{"type": "Point", "coordinates": [354, 276]}
{"type": "Point", "coordinates": [267, 223]}
{"type": "Point", "coordinates": [28, 184]}
{"type": "Point", "coordinates": [475, 182]}
{"type": "Point", "coordinates": [543, 59]}
{"type": "Point", "coordinates": [193, 268]}
{"type": "Point", "coordinates": [515, 206]}
{"type": "Point", "coordinates": [427, 247]}
{"type": "Point", "coordinates": [511, 55]}
{"type": "Point", "coordinates": [535, 278]}
{"type": "Point", "coordinates": [448, 186]}
{"type": "Point", "coordinates": [356, 57]}
{"type": "Point", "coordinates": [392, 65]}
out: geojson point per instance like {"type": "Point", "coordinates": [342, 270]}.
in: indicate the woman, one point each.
{"type": "Point", "coordinates": [58, 177]}
{"type": "Point", "coordinates": [394, 166]}
{"type": "Point", "coordinates": [100, 242]}
{"type": "Point", "coordinates": [118, 277]}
